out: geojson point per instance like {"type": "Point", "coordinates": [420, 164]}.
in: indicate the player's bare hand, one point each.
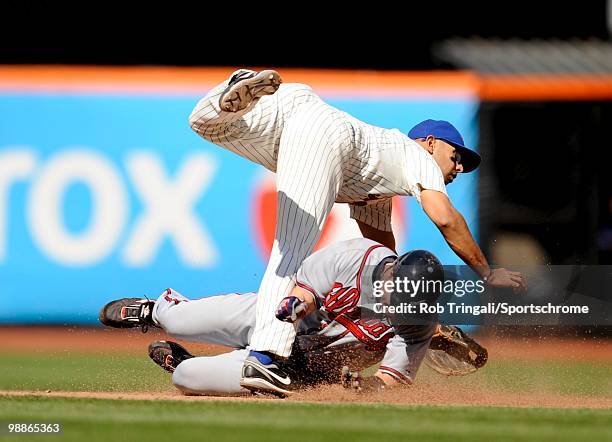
{"type": "Point", "coordinates": [507, 278]}
{"type": "Point", "coordinates": [353, 380]}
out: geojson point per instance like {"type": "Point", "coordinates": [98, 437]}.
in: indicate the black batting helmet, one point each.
{"type": "Point", "coordinates": [418, 264]}
{"type": "Point", "coordinates": [421, 265]}
{"type": "Point", "coordinates": [419, 279]}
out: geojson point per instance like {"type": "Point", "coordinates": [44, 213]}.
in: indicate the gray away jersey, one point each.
{"type": "Point", "coordinates": [339, 276]}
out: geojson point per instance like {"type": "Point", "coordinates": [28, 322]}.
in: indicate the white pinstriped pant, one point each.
{"type": "Point", "coordinates": [305, 141]}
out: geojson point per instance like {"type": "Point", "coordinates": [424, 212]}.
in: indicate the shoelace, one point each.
{"type": "Point", "coordinates": [144, 312]}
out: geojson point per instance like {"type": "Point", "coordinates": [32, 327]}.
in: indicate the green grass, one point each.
{"type": "Point", "coordinates": [113, 372]}
{"type": "Point", "coordinates": [82, 372]}
{"type": "Point", "coordinates": [568, 378]}
{"type": "Point", "coordinates": [108, 420]}
{"type": "Point", "coordinates": [582, 378]}
{"type": "Point", "coordinates": [103, 420]}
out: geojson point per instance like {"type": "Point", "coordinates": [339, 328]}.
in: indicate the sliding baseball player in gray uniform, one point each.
{"type": "Point", "coordinates": [321, 156]}
{"type": "Point", "coordinates": [335, 284]}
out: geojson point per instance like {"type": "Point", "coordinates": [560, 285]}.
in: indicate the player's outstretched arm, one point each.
{"type": "Point", "coordinates": [457, 234]}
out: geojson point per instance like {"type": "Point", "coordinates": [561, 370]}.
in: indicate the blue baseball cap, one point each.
{"type": "Point", "coordinates": [445, 131]}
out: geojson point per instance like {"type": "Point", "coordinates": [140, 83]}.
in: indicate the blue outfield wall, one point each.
{"type": "Point", "coordinates": [112, 196]}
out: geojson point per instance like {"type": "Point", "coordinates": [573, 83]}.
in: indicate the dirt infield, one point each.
{"type": "Point", "coordinates": [430, 390]}
{"type": "Point", "coordinates": [96, 339]}
{"type": "Point", "coordinates": [420, 394]}
{"type": "Point", "coordinates": [88, 339]}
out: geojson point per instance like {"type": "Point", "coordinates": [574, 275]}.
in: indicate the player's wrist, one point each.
{"type": "Point", "coordinates": [485, 274]}
{"type": "Point", "coordinates": [386, 379]}
{"type": "Point", "coordinates": [307, 297]}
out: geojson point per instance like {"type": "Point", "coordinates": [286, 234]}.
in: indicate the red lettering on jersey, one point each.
{"type": "Point", "coordinates": [374, 327]}
{"type": "Point", "coordinates": [372, 332]}
{"type": "Point", "coordinates": [341, 299]}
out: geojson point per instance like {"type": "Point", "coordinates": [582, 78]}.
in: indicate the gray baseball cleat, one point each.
{"type": "Point", "coordinates": [168, 355]}
{"type": "Point", "coordinates": [246, 86]}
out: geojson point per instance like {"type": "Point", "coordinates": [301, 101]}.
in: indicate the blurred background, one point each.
{"type": "Point", "coordinates": [105, 192]}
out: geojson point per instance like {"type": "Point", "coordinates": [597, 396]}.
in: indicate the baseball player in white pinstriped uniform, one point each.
{"type": "Point", "coordinates": [322, 155]}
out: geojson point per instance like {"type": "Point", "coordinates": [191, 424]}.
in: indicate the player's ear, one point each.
{"type": "Point", "coordinates": [430, 143]}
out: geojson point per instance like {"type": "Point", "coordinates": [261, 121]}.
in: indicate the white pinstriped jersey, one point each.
{"type": "Point", "coordinates": [321, 155]}
{"type": "Point", "coordinates": [377, 163]}
{"type": "Point", "coordinates": [387, 163]}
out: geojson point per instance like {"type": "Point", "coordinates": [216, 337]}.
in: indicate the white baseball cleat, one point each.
{"type": "Point", "coordinates": [247, 86]}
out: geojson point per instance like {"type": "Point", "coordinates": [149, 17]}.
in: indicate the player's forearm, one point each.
{"type": "Point", "coordinates": [306, 297]}
{"type": "Point", "coordinates": [454, 229]}
{"type": "Point", "coordinates": [460, 239]}
{"type": "Point", "coordinates": [387, 239]}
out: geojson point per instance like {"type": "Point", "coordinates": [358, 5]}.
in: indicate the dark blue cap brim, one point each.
{"type": "Point", "coordinates": [470, 160]}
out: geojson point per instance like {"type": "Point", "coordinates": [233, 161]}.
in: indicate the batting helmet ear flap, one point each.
{"type": "Point", "coordinates": [421, 265]}
{"type": "Point", "coordinates": [377, 274]}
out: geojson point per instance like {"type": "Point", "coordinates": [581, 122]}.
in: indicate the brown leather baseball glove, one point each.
{"type": "Point", "coordinates": [452, 352]}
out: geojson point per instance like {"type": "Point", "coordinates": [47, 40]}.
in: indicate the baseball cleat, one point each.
{"type": "Point", "coordinates": [247, 86]}
{"type": "Point", "coordinates": [168, 355]}
{"type": "Point", "coordinates": [128, 313]}
{"type": "Point", "coordinates": [260, 374]}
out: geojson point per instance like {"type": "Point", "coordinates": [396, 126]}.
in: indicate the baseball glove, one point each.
{"type": "Point", "coordinates": [452, 352]}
